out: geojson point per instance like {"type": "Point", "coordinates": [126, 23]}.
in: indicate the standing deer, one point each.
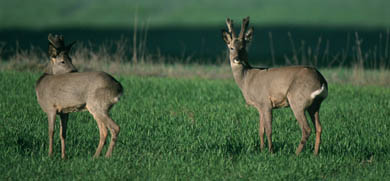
{"type": "Point", "coordinates": [300, 87]}
{"type": "Point", "coordinates": [62, 90]}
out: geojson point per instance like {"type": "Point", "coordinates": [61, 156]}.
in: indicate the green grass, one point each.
{"type": "Point", "coordinates": [80, 13]}
{"type": "Point", "coordinates": [194, 129]}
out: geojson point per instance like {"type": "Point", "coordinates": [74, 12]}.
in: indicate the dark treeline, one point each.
{"type": "Point", "coordinates": [322, 46]}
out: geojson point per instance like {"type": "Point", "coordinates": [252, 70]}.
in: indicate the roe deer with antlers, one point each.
{"type": "Point", "coordinates": [300, 87]}
{"type": "Point", "coordinates": [61, 90]}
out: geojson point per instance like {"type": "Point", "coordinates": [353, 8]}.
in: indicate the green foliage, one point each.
{"type": "Point", "coordinates": [100, 13]}
{"type": "Point", "coordinates": [194, 129]}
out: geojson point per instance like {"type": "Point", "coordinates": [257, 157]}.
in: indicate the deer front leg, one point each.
{"type": "Point", "coordinates": [63, 126]}
{"type": "Point", "coordinates": [51, 122]}
{"type": "Point", "coordinates": [268, 128]}
{"type": "Point", "coordinates": [261, 130]}
{"type": "Point", "coordinates": [266, 118]}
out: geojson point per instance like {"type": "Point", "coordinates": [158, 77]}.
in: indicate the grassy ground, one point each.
{"type": "Point", "coordinates": [187, 120]}
{"type": "Point", "coordinates": [195, 129]}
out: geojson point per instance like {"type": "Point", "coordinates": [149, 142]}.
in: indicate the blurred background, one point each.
{"type": "Point", "coordinates": [324, 33]}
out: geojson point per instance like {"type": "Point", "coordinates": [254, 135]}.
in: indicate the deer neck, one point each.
{"type": "Point", "coordinates": [239, 72]}
{"type": "Point", "coordinates": [49, 69]}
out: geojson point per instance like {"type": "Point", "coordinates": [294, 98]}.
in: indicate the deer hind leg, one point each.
{"type": "Point", "coordinates": [114, 130]}
{"type": "Point", "coordinates": [103, 136]}
{"type": "Point", "coordinates": [104, 121]}
{"type": "Point", "coordinates": [302, 121]}
{"type": "Point", "coordinates": [99, 107]}
{"type": "Point", "coordinates": [51, 123]}
{"type": "Point", "coordinates": [63, 126]}
{"type": "Point", "coordinates": [314, 111]}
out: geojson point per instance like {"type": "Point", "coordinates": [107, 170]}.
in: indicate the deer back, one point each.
{"type": "Point", "coordinates": [275, 84]}
{"type": "Point", "coordinates": [72, 92]}
{"type": "Point", "coordinates": [64, 89]}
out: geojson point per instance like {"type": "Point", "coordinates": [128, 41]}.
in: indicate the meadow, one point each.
{"type": "Point", "coordinates": [182, 116]}
{"type": "Point", "coordinates": [194, 128]}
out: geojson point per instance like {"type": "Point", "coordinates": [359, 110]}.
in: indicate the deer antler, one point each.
{"type": "Point", "coordinates": [229, 24]}
{"type": "Point", "coordinates": [244, 26]}
{"type": "Point", "coordinates": [57, 41]}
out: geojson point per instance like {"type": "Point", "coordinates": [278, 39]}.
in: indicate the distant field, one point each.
{"type": "Point", "coordinates": [195, 129]}
{"type": "Point", "coordinates": [43, 14]}
{"type": "Point", "coordinates": [307, 29]}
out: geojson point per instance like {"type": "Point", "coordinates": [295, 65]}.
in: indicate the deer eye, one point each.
{"type": "Point", "coordinates": [231, 48]}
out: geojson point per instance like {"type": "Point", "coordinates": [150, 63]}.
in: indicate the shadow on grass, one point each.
{"type": "Point", "coordinates": [27, 147]}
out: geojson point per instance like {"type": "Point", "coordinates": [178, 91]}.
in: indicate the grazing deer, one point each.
{"type": "Point", "coordinates": [61, 90]}
{"type": "Point", "coordinates": [300, 87]}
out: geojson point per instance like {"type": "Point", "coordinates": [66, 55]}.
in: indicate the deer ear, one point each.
{"type": "Point", "coordinates": [226, 36]}
{"type": "Point", "coordinates": [249, 34]}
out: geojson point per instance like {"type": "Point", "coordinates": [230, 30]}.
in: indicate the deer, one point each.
{"type": "Point", "coordinates": [302, 88]}
{"type": "Point", "coordinates": [62, 90]}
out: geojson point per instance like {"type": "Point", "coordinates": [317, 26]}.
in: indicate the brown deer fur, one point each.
{"type": "Point", "coordinates": [300, 87]}
{"type": "Point", "coordinates": [62, 90]}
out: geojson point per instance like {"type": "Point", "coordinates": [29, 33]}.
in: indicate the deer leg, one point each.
{"type": "Point", "coordinates": [102, 133]}
{"type": "Point", "coordinates": [114, 130]}
{"type": "Point", "coordinates": [51, 122]}
{"type": "Point", "coordinates": [267, 122]}
{"type": "Point", "coordinates": [315, 118]}
{"type": "Point", "coordinates": [63, 126]}
{"type": "Point", "coordinates": [103, 136]}
{"type": "Point", "coordinates": [301, 118]}
{"type": "Point", "coordinates": [261, 130]}
{"type": "Point", "coordinates": [100, 114]}
{"type": "Point", "coordinates": [104, 121]}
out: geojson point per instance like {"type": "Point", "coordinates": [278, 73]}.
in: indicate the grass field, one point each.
{"type": "Point", "coordinates": [182, 116]}
{"type": "Point", "coordinates": [194, 129]}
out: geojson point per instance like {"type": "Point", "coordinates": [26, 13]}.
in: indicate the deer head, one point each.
{"type": "Point", "coordinates": [237, 45]}
{"type": "Point", "coordinates": [60, 62]}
